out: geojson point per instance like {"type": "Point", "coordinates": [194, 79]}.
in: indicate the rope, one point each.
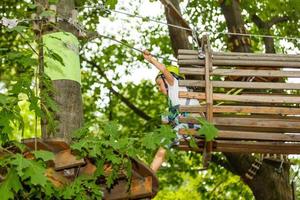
{"type": "Point", "coordinates": [133, 48]}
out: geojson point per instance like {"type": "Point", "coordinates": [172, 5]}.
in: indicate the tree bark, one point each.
{"type": "Point", "coordinates": [267, 184]}
{"type": "Point", "coordinates": [67, 93]}
{"type": "Point", "coordinates": [179, 38]}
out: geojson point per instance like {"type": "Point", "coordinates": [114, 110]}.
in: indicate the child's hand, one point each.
{"type": "Point", "coordinates": [147, 55]}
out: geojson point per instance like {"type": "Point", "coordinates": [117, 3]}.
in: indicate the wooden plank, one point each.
{"type": "Point", "coordinates": [249, 147]}
{"type": "Point", "coordinates": [195, 52]}
{"type": "Point", "coordinates": [41, 145]}
{"type": "Point", "coordinates": [241, 72]}
{"type": "Point", "coordinates": [255, 54]}
{"type": "Point", "coordinates": [140, 188]}
{"type": "Point", "coordinates": [209, 100]}
{"type": "Point", "coordinates": [243, 63]}
{"type": "Point", "coordinates": [243, 109]}
{"type": "Point", "coordinates": [243, 58]}
{"type": "Point", "coordinates": [257, 129]}
{"type": "Point", "coordinates": [250, 122]}
{"type": "Point", "coordinates": [246, 135]}
{"type": "Point", "coordinates": [244, 98]}
{"type": "Point", "coordinates": [258, 147]}
{"type": "Point", "coordinates": [65, 160]}
{"type": "Point", "coordinates": [242, 85]}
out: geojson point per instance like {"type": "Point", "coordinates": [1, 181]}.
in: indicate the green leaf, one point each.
{"type": "Point", "coordinates": [47, 13]}
{"type": "Point", "coordinates": [18, 29]}
{"type": "Point", "coordinates": [53, 1]}
{"type": "Point", "coordinates": [208, 130]}
{"type": "Point", "coordinates": [10, 185]}
{"type": "Point", "coordinates": [44, 155]}
{"type": "Point", "coordinates": [111, 3]}
{"type": "Point", "coordinates": [193, 143]}
{"type": "Point", "coordinates": [36, 173]}
{"type": "Point", "coordinates": [32, 6]}
{"type": "Point", "coordinates": [112, 129]}
{"type": "Point", "coordinates": [20, 163]}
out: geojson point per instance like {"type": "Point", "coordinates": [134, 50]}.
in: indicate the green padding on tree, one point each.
{"type": "Point", "coordinates": [62, 56]}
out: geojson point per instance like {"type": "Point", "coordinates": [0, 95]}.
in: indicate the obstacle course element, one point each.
{"type": "Point", "coordinates": [236, 92]}
{"type": "Point", "coordinates": [144, 183]}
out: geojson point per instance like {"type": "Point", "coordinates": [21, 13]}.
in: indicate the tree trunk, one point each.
{"type": "Point", "coordinates": [67, 92]}
{"type": "Point", "coordinates": [267, 184]}
{"type": "Point", "coordinates": [179, 38]}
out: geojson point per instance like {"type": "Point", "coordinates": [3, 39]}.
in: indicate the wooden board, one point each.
{"type": "Point", "coordinates": [243, 63]}
{"type": "Point", "coordinates": [54, 145]}
{"type": "Point", "coordinates": [247, 147]}
{"type": "Point", "coordinates": [143, 170]}
{"type": "Point", "coordinates": [195, 52]}
{"type": "Point", "coordinates": [144, 184]}
{"type": "Point", "coordinates": [243, 57]}
{"type": "Point", "coordinates": [65, 160]}
{"type": "Point", "coordinates": [140, 188]}
{"type": "Point", "coordinates": [243, 109]}
{"type": "Point", "coordinates": [246, 135]}
{"type": "Point", "coordinates": [244, 98]}
{"type": "Point", "coordinates": [241, 72]}
{"type": "Point", "coordinates": [242, 85]}
{"type": "Point", "coordinates": [281, 124]}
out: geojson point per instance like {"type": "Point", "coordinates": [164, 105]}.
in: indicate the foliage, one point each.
{"type": "Point", "coordinates": [108, 143]}
{"type": "Point", "coordinates": [207, 129]}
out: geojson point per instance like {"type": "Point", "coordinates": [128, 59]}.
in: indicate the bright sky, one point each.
{"type": "Point", "coordinates": [108, 27]}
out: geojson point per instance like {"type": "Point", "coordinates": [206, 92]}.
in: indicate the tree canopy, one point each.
{"type": "Point", "coordinates": [126, 111]}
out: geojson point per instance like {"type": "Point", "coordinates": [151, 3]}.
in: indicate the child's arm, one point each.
{"type": "Point", "coordinates": [161, 67]}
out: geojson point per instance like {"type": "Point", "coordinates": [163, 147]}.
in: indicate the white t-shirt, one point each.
{"type": "Point", "coordinates": [173, 93]}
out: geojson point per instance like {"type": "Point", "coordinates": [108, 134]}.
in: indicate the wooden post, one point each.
{"type": "Point", "coordinates": [209, 99]}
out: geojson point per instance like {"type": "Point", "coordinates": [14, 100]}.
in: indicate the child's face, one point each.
{"type": "Point", "coordinates": [161, 86]}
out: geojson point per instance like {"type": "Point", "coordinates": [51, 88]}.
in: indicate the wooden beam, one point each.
{"type": "Point", "coordinates": [195, 52]}
{"type": "Point", "coordinates": [241, 72]}
{"type": "Point", "coordinates": [244, 98]}
{"type": "Point", "coordinates": [243, 63]}
{"type": "Point", "coordinates": [243, 109]}
{"type": "Point", "coordinates": [244, 58]}
{"type": "Point", "coordinates": [209, 100]}
{"type": "Point", "coordinates": [65, 160]}
{"type": "Point", "coordinates": [242, 84]}
{"type": "Point", "coordinates": [140, 188]}
{"type": "Point", "coordinates": [250, 122]}
{"type": "Point", "coordinates": [246, 135]}
{"type": "Point", "coordinates": [249, 147]}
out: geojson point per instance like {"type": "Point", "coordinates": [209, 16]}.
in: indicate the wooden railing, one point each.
{"type": "Point", "coordinates": [237, 93]}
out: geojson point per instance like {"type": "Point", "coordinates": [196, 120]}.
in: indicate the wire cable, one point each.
{"type": "Point", "coordinates": [187, 29]}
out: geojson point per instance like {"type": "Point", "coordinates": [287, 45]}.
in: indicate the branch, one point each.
{"type": "Point", "coordinates": [277, 20]}
{"type": "Point", "coordinates": [258, 21]}
{"type": "Point", "coordinates": [221, 162]}
{"type": "Point", "coordinates": [125, 100]}
{"type": "Point", "coordinates": [268, 24]}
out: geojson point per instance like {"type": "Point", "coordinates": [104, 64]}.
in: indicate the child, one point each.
{"type": "Point", "coordinates": [167, 82]}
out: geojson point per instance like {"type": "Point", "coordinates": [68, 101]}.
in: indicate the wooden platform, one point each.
{"type": "Point", "coordinates": [237, 93]}
{"type": "Point", "coordinates": [144, 183]}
